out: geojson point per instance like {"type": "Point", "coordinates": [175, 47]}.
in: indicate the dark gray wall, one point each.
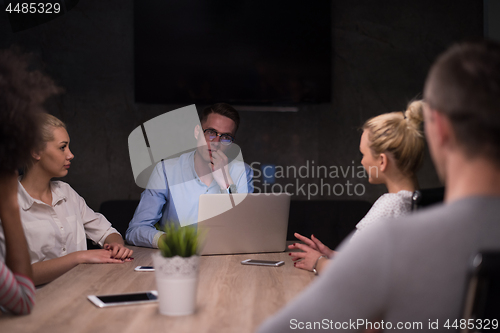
{"type": "Point", "coordinates": [492, 19]}
{"type": "Point", "coordinates": [382, 52]}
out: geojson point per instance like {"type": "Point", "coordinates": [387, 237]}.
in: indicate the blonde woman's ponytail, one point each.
{"type": "Point", "coordinates": [400, 134]}
{"type": "Point", "coordinates": [414, 114]}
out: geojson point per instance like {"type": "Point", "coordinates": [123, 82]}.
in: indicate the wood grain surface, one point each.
{"type": "Point", "coordinates": [231, 297]}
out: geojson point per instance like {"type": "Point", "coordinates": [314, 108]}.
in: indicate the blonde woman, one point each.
{"type": "Point", "coordinates": [56, 219]}
{"type": "Point", "coordinates": [392, 145]}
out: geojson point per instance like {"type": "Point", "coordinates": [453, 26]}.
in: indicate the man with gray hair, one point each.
{"type": "Point", "coordinates": [411, 273]}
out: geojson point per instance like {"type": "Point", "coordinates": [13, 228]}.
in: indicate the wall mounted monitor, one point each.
{"type": "Point", "coordinates": [242, 52]}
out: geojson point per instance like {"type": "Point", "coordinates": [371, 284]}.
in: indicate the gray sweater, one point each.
{"type": "Point", "coordinates": [410, 270]}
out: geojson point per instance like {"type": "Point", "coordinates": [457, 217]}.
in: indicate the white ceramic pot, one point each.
{"type": "Point", "coordinates": [177, 282]}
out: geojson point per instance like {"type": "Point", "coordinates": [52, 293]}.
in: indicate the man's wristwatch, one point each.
{"type": "Point", "coordinates": [316, 263]}
{"type": "Point", "coordinates": [231, 189]}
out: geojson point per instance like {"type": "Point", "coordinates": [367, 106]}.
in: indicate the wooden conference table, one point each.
{"type": "Point", "coordinates": [231, 297]}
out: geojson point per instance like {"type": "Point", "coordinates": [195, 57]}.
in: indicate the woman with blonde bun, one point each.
{"type": "Point", "coordinates": [392, 145]}
{"type": "Point", "coordinates": [56, 219]}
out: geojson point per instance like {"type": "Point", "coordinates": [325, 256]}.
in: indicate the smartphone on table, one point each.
{"type": "Point", "coordinates": [271, 263]}
{"type": "Point", "coordinates": [104, 301]}
{"type": "Point", "coordinates": [144, 269]}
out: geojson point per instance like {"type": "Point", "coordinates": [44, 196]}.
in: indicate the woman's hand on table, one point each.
{"type": "Point", "coordinates": [98, 257]}
{"type": "Point", "coordinates": [314, 244]}
{"type": "Point", "coordinates": [119, 251]}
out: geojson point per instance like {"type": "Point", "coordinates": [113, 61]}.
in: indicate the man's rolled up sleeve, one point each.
{"type": "Point", "coordinates": [141, 230]}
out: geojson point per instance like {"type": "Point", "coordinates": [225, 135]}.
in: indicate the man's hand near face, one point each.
{"type": "Point", "coordinates": [219, 166]}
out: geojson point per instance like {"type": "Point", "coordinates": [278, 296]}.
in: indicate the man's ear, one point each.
{"type": "Point", "coordinates": [443, 130]}
{"type": "Point", "coordinates": [382, 162]}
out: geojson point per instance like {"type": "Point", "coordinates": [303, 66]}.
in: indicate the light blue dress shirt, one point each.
{"type": "Point", "coordinates": [172, 195]}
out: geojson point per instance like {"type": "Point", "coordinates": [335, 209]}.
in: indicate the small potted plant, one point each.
{"type": "Point", "coordinates": [176, 269]}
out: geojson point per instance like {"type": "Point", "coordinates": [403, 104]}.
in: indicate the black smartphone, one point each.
{"type": "Point", "coordinates": [144, 269]}
{"type": "Point", "coordinates": [103, 301]}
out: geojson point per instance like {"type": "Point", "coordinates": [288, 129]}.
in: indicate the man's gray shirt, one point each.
{"type": "Point", "coordinates": [406, 270]}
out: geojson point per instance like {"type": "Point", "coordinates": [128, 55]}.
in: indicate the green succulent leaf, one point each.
{"type": "Point", "coordinates": [179, 241]}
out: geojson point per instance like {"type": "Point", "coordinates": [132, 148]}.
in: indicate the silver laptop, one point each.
{"type": "Point", "coordinates": [243, 223]}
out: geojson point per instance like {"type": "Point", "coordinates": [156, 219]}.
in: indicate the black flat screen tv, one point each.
{"type": "Point", "coordinates": [274, 52]}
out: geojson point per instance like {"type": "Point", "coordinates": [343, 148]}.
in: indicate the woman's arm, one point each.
{"type": "Point", "coordinates": [17, 257]}
{"type": "Point", "coordinates": [314, 244]}
{"type": "Point", "coordinates": [114, 243]}
{"type": "Point", "coordinates": [99, 229]}
{"type": "Point", "coordinates": [49, 270]}
{"type": "Point", "coordinates": [17, 292]}
{"type": "Point", "coordinates": [16, 286]}
{"type": "Point", "coordinates": [313, 249]}
{"type": "Point", "coordinates": [308, 258]}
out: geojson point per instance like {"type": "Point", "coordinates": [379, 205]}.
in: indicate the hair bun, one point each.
{"type": "Point", "coordinates": [414, 113]}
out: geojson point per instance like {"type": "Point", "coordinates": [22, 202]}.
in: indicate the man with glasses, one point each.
{"type": "Point", "coordinates": [176, 184]}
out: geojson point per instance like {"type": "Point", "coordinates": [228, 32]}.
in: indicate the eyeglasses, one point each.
{"type": "Point", "coordinates": [211, 134]}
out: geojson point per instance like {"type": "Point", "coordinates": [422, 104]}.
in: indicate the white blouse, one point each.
{"type": "Point", "coordinates": [389, 205]}
{"type": "Point", "coordinates": [53, 231]}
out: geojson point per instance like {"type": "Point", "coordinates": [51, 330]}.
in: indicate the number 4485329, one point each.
{"type": "Point", "coordinates": [34, 7]}
{"type": "Point", "coordinates": [472, 324]}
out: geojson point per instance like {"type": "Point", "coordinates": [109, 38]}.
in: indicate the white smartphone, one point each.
{"type": "Point", "coordinates": [104, 301]}
{"type": "Point", "coordinates": [263, 262]}
{"type": "Point", "coordinates": [144, 269]}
